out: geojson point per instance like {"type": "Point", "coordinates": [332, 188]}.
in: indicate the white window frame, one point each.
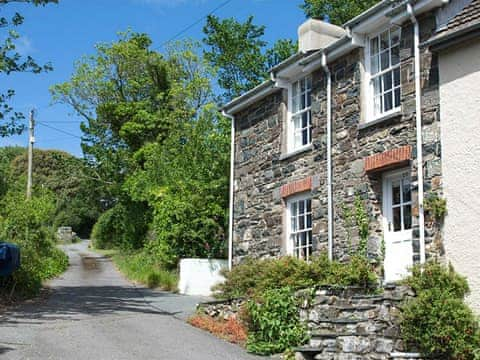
{"type": "Point", "coordinates": [370, 92]}
{"type": "Point", "coordinates": [290, 124]}
{"type": "Point", "coordinates": [292, 233]}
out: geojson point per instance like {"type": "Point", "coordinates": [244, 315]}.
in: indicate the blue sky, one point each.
{"type": "Point", "coordinates": [63, 33]}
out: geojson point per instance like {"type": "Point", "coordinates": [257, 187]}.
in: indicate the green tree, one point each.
{"type": "Point", "coordinates": [337, 12]}
{"type": "Point", "coordinates": [11, 62]}
{"type": "Point", "coordinates": [77, 201]}
{"type": "Point", "coordinates": [239, 53]}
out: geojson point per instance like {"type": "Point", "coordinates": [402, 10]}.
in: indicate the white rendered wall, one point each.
{"type": "Point", "coordinates": [460, 131]}
{"type": "Point", "coordinates": [197, 276]}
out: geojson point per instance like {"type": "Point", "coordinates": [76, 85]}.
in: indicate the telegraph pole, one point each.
{"type": "Point", "coordinates": [31, 141]}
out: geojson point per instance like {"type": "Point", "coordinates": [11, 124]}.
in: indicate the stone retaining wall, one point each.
{"type": "Point", "coordinates": [344, 324]}
{"type": "Point", "coordinates": [347, 324]}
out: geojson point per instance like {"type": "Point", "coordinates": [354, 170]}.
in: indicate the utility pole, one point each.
{"type": "Point", "coordinates": [31, 141]}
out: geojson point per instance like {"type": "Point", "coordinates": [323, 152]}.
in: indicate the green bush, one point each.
{"type": "Point", "coordinates": [255, 276]}
{"type": "Point", "coordinates": [142, 267]}
{"type": "Point", "coordinates": [438, 321]}
{"type": "Point", "coordinates": [274, 323]}
{"type": "Point", "coordinates": [123, 226]}
{"type": "Point", "coordinates": [28, 224]}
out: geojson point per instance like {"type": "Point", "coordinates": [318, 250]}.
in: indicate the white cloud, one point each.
{"type": "Point", "coordinates": [24, 46]}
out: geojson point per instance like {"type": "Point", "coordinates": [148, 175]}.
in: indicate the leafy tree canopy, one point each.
{"type": "Point", "coordinates": [237, 50]}
{"type": "Point", "coordinates": [337, 12]}
{"type": "Point", "coordinates": [10, 62]}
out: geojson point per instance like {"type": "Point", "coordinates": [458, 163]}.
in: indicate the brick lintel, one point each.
{"type": "Point", "coordinates": [296, 187]}
{"type": "Point", "coordinates": [388, 159]}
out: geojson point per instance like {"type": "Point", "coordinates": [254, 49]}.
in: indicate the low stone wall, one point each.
{"type": "Point", "coordinates": [344, 324]}
{"type": "Point", "coordinates": [222, 309]}
{"type": "Point", "coordinates": [347, 324]}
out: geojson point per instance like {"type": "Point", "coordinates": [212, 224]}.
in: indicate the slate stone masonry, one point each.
{"type": "Point", "coordinates": [262, 166]}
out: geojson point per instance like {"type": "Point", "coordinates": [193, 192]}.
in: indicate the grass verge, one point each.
{"type": "Point", "coordinates": [142, 268]}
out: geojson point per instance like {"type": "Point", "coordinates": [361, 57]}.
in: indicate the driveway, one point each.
{"type": "Point", "coordinates": [94, 313]}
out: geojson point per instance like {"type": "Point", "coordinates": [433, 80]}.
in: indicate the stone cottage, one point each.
{"type": "Point", "coordinates": [352, 114]}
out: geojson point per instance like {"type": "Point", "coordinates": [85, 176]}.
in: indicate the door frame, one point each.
{"type": "Point", "coordinates": [387, 199]}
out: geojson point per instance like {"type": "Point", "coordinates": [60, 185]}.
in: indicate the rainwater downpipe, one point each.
{"type": "Point", "coordinates": [329, 155]}
{"type": "Point", "coordinates": [418, 117]}
{"type": "Point", "coordinates": [230, 202]}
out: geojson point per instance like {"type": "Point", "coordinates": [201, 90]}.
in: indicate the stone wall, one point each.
{"type": "Point", "coordinates": [347, 324]}
{"type": "Point", "coordinates": [262, 167]}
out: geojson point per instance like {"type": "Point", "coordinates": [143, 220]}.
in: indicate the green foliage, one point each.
{"type": "Point", "coordinates": [253, 277]}
{"type": "Point", "coordinates": [338, 12]}
{"type": "Point", "coordinates": [274, 322]}
{"type": "Point", "coordinates": [142, 267]}
{"type": "Point", "coordinates": [436, 206]}
{"type": "Point", "coordinates": [123, 226]}
{"type": "Point", "coordinates": [67, 177]}
{"type": "Point", "coordinates": [185, 181]}
{"type": "Point", "coordinates": [362, 222]}
{"type": "Point", "coordinates": [239, 53]}
{"type": "Point", "coordinates": [438, 321]}
{"type": "Point", "coordinates": [28, 224]}
{"type": "Point", "coordinates": [11, 61]}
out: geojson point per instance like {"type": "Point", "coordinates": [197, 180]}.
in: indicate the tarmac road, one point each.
{"type": "Point", "coordinates": [94, 313]}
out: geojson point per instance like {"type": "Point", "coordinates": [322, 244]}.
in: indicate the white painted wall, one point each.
{"type": "Point", "coordinates": [460, 131]}
{"type": "Point", "coordinates": [197, 276]}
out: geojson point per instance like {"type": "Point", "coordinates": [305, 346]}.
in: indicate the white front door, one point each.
{"type": "Point", "coordinates": [397, 224]}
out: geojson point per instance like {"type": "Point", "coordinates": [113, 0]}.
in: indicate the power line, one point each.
{"type": "Point", "coordinates": [183, 31]}
{"type": "Point", "coordinates": [59, 130]}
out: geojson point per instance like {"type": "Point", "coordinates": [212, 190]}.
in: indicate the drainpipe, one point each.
{"type": "Point", "coordinates": [418, 116]}
{"type": "Point", "coordinates": [329, 155]}
{"type": "Point", "coordinates": [230, 209]}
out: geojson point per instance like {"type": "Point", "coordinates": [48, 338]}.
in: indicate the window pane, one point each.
{"type": "Point", "coordinates": [407, 194]}
{"type": "Point", "coordinates": [303, 82]}
{"type": "Point", "coordinates": [396, 192]}
{"type": "Point", "coordinates": [293, 209]}
{"type": "Point", "coordinates": [387, 101]}
{"type": "Point", "coordinates": [387, 81]}
{"type": "Point", "coordinates": [301, 207]}
{"type": "Point", "coordinates": [374, 46]}
{"type": "Point", "coordinates": [395, 55]}
{"type": "Point", "coordinates": [305, 136]}
{"type": "Point", "coordinates": [377, 85]}
{"type": "Point", "coordinates": [384, 41]}
{"type": "Point", "coordinates": [309, 205]}
{"type": "Point", "coordinates": [309, 99]}
{"type": "Point", "coordinates": [293, 222]}
{"type": "Point", "coordinates": [302, 102]}
{"type": "Point", "coordinates": [297, 139]}
{"type": "Point", "coordinates": [397, 97]}
{"type": "Point", "coordinates": [407, 217]}
{"type": "Point", "coordinates": [309, 83]}
{"type": "Point", "coordinates": [397, 226]}
{"type": "Point", "coordinates": [396, 77]}
{"type": "Point", "coordinates": [385, 60]}
{"type": "Point", "coordinates": [377, 104]}
{"type": "Point", "coordinates": [303, 239]}
{"type": "Point", "coordinates": [395, 35]}
{"type": "Point", "coordinates": [374, 64]}
{"type": "Point", "coordinates": [301, 223]}
{"type": "Point", "coordinates": [304, 119]}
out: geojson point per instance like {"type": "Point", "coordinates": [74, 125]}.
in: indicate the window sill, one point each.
{"type": "Point", "coordinates": [380, 120]}
{"type": "Point", "coordinates": [296, 152]}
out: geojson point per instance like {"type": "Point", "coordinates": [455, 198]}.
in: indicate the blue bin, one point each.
{"type": "Point", "coordinates": [9, 258]}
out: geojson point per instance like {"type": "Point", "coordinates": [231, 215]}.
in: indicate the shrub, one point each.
{"type": "Point", "coordinates": [255, 276]}
{"type": "Point", "coordinates": [274, 323]}
{"type": "Point", "coordinates": [28, 224]}
{"type": "Point", "coordinates": [123, 226]}
{"type": "Point", "coordinates": [437, 321]}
